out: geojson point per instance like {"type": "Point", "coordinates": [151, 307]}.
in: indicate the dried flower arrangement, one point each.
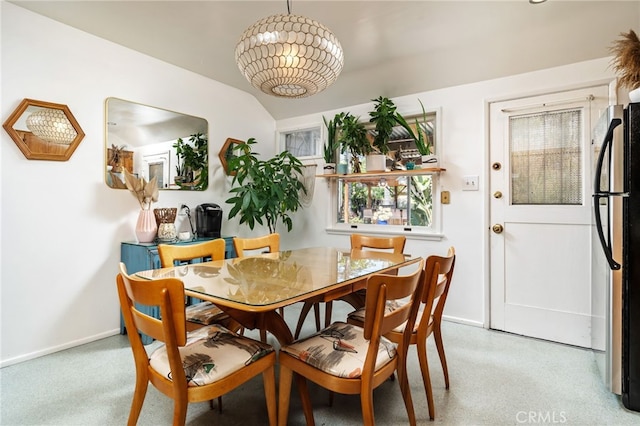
{"type": "Point", "coordinates": [626, 60]}
{"type": "Point", "coordinates": [145, 192]}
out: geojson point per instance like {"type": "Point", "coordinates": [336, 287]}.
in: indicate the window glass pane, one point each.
{"type": "Point", "coordinates": [545, 158]}
{"type": "Point", "coordinates": [303, 143]}
{"type": "Point", "coordinates": [395, 200]}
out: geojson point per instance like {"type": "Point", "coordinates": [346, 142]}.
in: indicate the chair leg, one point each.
{"type": "Point", "coordinates": [306, 400]}
{"type": "Point", "coordinates": [405, 388]}
{"type": "Point", "coordinates": [426, 379]}
{"type": "Point", "coordinates": [179, 411]}
{"type": "Point", "coordinates": [284, 395]}
{"type": "Point", "coordinates": [263, 336]}
{"type": "Point", "coordinates": [142, 383]}
{"type": "Point", "coordinates": [269, 379]}
{"type": "Point", "coordinates": [437, 335]}
{"type": "Point", "coordinates": [366, 402]}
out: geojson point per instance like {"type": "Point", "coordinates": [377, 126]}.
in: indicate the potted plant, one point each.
{"type": "Point", "coordinates": [264, 191]}
{"type": "Point", "coordinates": [420, 138]}
{"type": "Point", "coordinates": [384, 118]}
{"type": "Point", "coordinates": [353, 139]}
{"type": "Point", "coordinates": [626, 63]}
{"type": "Point", "coordinates": [331, 146]}
{"type": "Point", "coordinates": [115, 160]}
{"type": "Point", "coordinates": [192, 161]}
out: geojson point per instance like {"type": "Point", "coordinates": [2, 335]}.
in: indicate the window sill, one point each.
{"type": "Point", "coordinates": [414, 234]}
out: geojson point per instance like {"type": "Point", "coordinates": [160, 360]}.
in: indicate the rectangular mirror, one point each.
{"type": "Point", "coordinates": [154, 142]}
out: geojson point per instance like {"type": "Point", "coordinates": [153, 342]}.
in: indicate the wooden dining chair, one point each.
{"type": "Point", "coordinates": [203, 313]}
{"type": "Point", "coordinates": [269, 243]}
{"type": "Point", "coordinates": [189, 366]}
{"type": "Point", "coordinates": [394, 244]}
{"type": "Point", "coordinates": [437, 279]}
{"type": "Point", "coordinates": [349, 359]}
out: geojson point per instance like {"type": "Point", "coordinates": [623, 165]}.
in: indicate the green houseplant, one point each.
{"type": "Point", "coordinates": [331, 145]}
{"type": "Point", "coordinates": [384, 118]}
{"type": "Point", "coordinates": [264, 191]}
{"type": "Point", "coordinates": [353, 139]}
{"type": "Point", "coordinates": [419, 136]}
{"type": "Point", "coordinates": [192, 170]}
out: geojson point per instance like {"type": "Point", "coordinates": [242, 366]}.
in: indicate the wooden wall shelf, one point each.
{"type": "Point", "coordinates": [394, 173]}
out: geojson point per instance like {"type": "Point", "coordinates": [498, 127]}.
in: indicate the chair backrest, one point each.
{"type": "Point", "coordinates": [438, 272]}
{"type": "Point", "coordinates": [359, 241]}
{"type": "Point", "coordinates": [208, 250]}
{"type": "Point", "coordinates": [168, 294]}
{"type": "Point", "coordinates": [382, 288]}
{"type": "Point", "coordinates": [270, 243]}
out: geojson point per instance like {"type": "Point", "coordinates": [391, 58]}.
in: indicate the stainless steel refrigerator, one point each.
{"type": "Point", "coordinates": [616, 251]}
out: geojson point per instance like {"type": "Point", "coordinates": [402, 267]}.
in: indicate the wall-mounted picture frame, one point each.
{"type": "Point", "coordinates": [304, 142]}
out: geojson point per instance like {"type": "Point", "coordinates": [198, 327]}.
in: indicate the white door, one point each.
{"type": "Point", "coordinates": [540, 210]}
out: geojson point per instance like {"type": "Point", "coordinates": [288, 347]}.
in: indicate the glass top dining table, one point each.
{"type": "Point", "coordinates": [251, 289]}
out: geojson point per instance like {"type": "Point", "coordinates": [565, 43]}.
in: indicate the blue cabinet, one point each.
{"type": "Point", "coordinates": [144, 256]}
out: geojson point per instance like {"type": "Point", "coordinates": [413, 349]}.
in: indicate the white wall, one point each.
{"type": "Point", "coordinates": [61, 226]}
{"type": "Point", "coordinates": [464, 143]}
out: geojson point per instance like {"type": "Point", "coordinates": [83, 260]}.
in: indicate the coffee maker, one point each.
{"type": "Point", "coordinates": [208, 220]}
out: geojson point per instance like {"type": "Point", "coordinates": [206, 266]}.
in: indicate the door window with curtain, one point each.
{"type": "Point", "coordinates": [546, 158]}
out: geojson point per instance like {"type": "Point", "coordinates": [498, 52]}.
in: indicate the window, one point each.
{"type": "Point", "coordinates": [397, 201]}
{"type": "Point", "coordinates": [303, 143]}
{"type": "Point", "coordinates": [404, 200]}
{"type": "Point", "coordinates": [546, 165]}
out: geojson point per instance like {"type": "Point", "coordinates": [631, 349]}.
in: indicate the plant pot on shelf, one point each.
{"type": "Point", "coordinates": [342, 168]}
{"type": "Point", "coordinates": [429, 160]}
{"type": "Point", "coordinates": [376, 162]}
{"type": "Point", "coordinates": [329, 168]}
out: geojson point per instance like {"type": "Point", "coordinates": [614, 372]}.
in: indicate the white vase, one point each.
{"type": "Point", "coordinates": [376, 162]}
{"type": "Point", "coordinates": [429, 160]}
{"type": "Point", "coordinates": [146, 227]}
{"type": "Point", "coordinates": [329, 168]}
{"type": "Point", "coordinates": [634, 95]}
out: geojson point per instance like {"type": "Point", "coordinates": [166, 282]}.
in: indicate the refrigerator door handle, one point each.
{"type": "Point", "coordinates": [608, 140]}
{"type": "Point", "coordinates": [603, 242]}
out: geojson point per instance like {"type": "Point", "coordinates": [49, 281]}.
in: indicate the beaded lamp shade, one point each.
{"type": "Point", "coordinates": [51, 125]}
{"type": "Point", "coordinates": [289, 56]}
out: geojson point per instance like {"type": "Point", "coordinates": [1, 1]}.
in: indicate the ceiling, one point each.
{"type": "Point", "coordinates": [392, 48]}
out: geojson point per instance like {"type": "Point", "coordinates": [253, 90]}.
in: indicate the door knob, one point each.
{"type": "Point", "coordinates": [497, 194]}
{"type": "Point", "coordinates": [496, 166]}
{"type": "Point", "coordinates": [497, 228]}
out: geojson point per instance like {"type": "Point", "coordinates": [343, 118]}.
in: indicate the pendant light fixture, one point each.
{"type": "Point", "coordinates": [51, 125]}
{"type": "Point", "coordinates": [289, 56]}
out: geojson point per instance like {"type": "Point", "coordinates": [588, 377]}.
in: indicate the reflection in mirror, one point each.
{"type": "Point", "coordinates": [44, 130]}
{"type": "Point", "coordinates": [152, 142]}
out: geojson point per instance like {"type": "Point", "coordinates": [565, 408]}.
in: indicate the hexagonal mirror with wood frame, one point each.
{"type": "Point", "coordinates": [226, 153]}
{"type": "Point", "coordinates": [44, 130]}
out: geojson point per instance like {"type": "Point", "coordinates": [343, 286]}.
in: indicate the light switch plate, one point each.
{"type": "Point", "coordinates": [444, 197]}
{"type": "Point", "coordinates": [470, 183]}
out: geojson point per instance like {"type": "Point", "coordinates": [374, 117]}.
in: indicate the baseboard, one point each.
{"type": "Point", "coordinates": [462, 321]}
{"type": "Point", "coordinates": [53, 349]}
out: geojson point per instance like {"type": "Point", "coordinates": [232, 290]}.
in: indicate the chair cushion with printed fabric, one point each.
{"type": "Point", "coordinates": [205, 313]}
{"type": "Point", "coordinates": [357, 316]}
{"type": "Point", "coordinates": [211, 354]}
{"type": "Point", "coordinates": [339, 350]}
